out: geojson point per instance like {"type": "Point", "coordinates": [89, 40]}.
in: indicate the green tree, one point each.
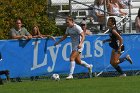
{"type": "Point", "coordinates": [31, 11]}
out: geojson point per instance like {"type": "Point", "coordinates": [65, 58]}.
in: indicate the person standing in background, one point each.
{"type": "Point", "coordinates": [19, 32]}
{"type": "Point", "coordinates": [84, 28]}
{"type": "Point", "coordinates": [114, 9]}
{"type": "Point", "coordinates": [99, 10]}
{"type": "Point", "coordinates": [137, 22]}
{"type": "Point", "coordinates": [36, 33]}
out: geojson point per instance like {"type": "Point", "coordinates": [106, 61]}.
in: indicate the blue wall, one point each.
{"type": "Point", "coordinates": [39, 57]}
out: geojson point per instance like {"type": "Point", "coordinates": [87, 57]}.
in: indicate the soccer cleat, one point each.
{"type": "Point", "coordinates": [128, 58]}
{"type": "Point", "coordinates": [123, 75]}
{"type": "Point", "coordinates": [90, 71]}
{"type": "Point", "coordinates": [7, 75]}
{"type": "Point", "coordinates": [69, 77]}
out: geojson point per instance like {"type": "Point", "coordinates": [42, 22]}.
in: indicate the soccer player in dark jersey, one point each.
{"type": "Point", "coordinates": [116, 43]}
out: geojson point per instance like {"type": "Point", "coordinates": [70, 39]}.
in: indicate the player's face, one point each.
{"type": "Point", "coordinates": [69, 23]}
{"type": "Point", "coordinates": [109, 23]}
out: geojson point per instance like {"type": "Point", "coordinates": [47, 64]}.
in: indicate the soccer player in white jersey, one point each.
{"type": "Point", "coordinates": [77, 39]}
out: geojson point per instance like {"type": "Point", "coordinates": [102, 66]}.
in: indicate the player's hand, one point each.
{"type": "Point", "coordinates": [40, 36]}
{"type": "Point", "coordinates": [79, 46]}
{"type": "Point", "coordinates": [25, 37]}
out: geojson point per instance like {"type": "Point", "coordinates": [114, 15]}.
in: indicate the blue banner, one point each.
{"type": "Point", "coordinates": [24, 58]}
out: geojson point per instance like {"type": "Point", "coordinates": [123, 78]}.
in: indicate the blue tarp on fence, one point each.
{"type": "Point", "coordinates": [39, 57]}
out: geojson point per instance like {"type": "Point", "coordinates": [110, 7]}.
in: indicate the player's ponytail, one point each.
{"type": "Point", "coordinates": [115, 25]}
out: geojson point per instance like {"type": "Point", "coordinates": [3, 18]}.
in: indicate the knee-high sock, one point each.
{"type": "Point", "coordinates": [83, 63]}
{"type": "Point", "coordinates": [122, 59]}
{"type": "Point", "coordinates": [118, 68]}
{"type": "Point", "coordinates": [72, 66]}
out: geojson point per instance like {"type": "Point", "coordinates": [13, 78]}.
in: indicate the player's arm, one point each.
{"type": "Point", "coordinates": [27, 34]}
{"type": "Point", "coordinates": [17, 37]}
{"type": "Point", "coordinates": [82, 39]}
{"type": "Point", "coordinates": [88, 32]}
{"type": "Point", "coordinates": [60, 40]}
{"type": "Point", "coordinates": [107, 40]}
{"type": "Point", "coordinates": [49, 36]}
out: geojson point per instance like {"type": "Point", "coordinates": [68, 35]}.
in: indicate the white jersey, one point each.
{"type": "Point", "coordinates": [74, 33]}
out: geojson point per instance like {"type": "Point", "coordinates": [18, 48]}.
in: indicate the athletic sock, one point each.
{"type": "Point", "coordinates": [118, 68]}
{"type": "Point", "coordinates": [72, 66]}
{"type": "Point", "coordinates": [83, 63]}
{"type": "Point", "coordinates": [122, 59]}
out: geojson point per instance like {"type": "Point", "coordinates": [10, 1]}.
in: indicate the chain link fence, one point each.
{"type": "Point", "coordinates": [80, 9]}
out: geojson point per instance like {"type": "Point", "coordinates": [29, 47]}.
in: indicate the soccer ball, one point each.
{"type": "Point", "coordinates": [55, 77]}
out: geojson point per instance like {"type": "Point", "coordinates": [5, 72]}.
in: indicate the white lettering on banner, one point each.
{"type": "Point", "coordinates": [35, 57]}
{"type": "Point", "coordinates": [87, 49]}
{"type": "Point", "coordinates": [53, 56]}
{"type": "Point", "coordinates": [64, 51]}
{"type": "Point", "coordinates": [98, 52]}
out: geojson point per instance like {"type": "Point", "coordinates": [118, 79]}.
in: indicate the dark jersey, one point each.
{"type": "Point", "coordinates": [114, 41]}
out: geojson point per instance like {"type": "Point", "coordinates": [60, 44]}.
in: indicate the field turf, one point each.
{"type": "Point", "coordinates": [130, 84]}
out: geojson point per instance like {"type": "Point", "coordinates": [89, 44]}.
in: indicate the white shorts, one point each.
{"type": "Point", "coordinates": [76, 49]}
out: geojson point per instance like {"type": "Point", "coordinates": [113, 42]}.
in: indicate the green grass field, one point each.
{"type": "Point", "coordinates": [129, 84]}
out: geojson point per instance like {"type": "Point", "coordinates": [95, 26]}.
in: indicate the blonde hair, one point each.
{"type": "Point", "coordinates": [33, 32]}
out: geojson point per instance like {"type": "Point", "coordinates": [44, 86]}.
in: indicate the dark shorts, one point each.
{"type": "Point", "coordinates": [115, 46]}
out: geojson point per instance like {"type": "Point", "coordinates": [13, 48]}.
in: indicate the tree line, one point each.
{"type": "Point", "coordinates": [32, 12]}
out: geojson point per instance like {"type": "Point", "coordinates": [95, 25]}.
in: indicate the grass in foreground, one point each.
{"type": "Point", "coordinates": [95, 85]}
